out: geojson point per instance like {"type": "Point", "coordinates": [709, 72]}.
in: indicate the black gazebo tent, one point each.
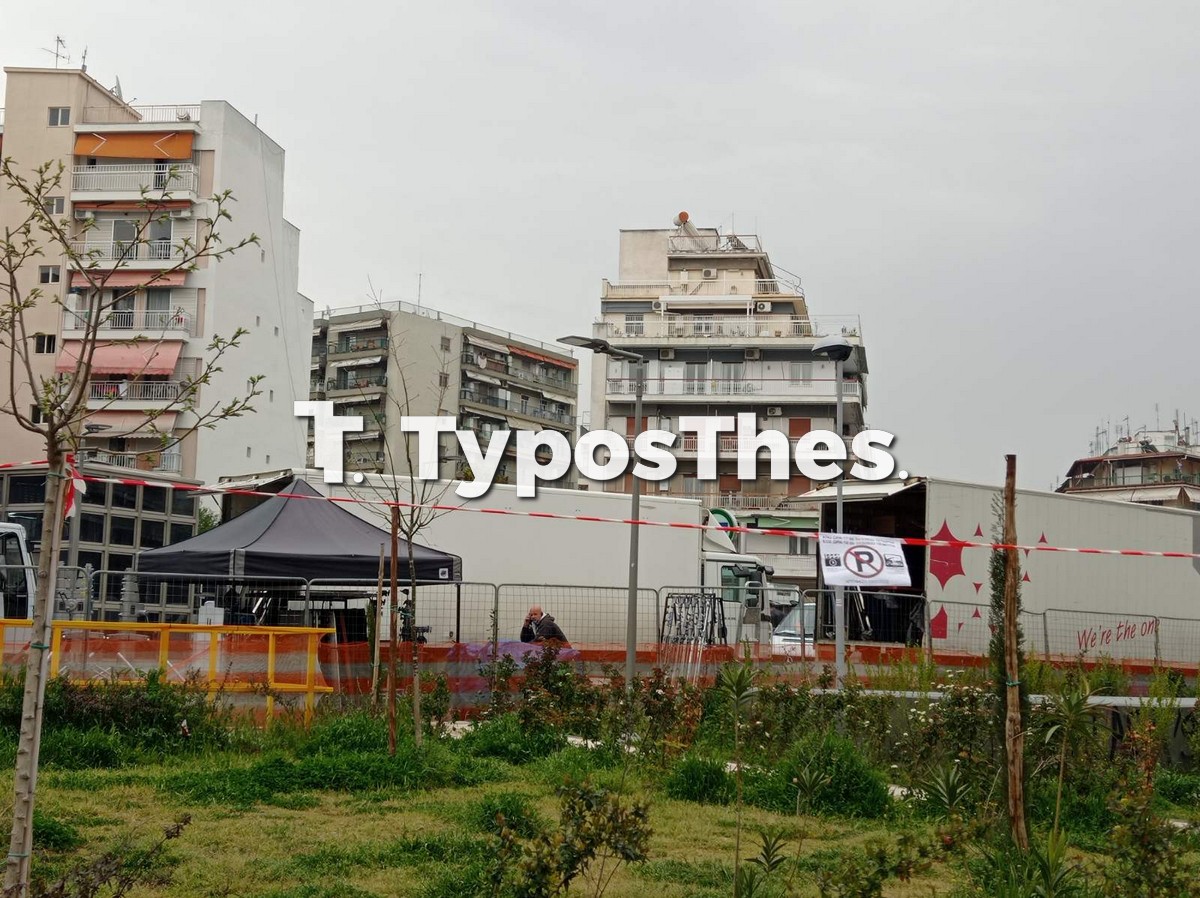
{"type": "Point", "coordinates": [303, 538]}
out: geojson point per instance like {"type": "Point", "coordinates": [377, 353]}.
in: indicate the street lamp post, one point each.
{"type": "Point", "coordinates": [838, 350]}
{"type": "Point", "coordinates": [603, 347]}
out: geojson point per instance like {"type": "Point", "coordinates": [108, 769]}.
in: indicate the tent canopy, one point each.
{"type": "Point", "coordinates": [308, 538]}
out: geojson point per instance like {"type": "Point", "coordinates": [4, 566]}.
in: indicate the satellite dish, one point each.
{"type": "Point", "coordinates": [117, 90]}
{"type": "Point", "coordinates": [680, 219]}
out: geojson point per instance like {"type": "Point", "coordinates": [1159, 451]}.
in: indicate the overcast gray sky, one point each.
{"type": "Point", "coordinates": [1005, 193]}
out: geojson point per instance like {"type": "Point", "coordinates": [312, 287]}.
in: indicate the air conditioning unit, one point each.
{"type": "Point", "coordinates": [181, 213]}
{"type": "Point", "coordinates": [762, 307]}
{"type": "Point", "coordinates": [709, 274]}
{"type": "Point", "coordinates": [666, 354]}
{"type": "Point", "coordinates": [752, 354]}
{"type": "Point", "coordinates": [774, 411]}
{"type": "Point", "coordinates": [84, 214]}
{"type": "Point", "coordinates": [658, 305]}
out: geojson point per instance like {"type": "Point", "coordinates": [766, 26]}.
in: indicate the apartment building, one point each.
{"type": "Point", "coordinates": [156, 334]}
{"type": "Point", "coordinates": [382, 361]}
{"type": "Point", "coordinates": [724, 331]}
{"type": "Point", "coordinates": [1149, 467]}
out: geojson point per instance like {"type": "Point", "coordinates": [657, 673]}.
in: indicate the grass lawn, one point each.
{"type": "Point", "coordinates": [327, 844]}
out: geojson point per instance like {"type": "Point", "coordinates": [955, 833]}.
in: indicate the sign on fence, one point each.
{"type": "Point", "coordinates": [848, 559]}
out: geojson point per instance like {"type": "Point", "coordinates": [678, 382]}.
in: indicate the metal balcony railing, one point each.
{"type": "Point", "coordinates": [528, 410]}
{"type": "Point", "coordinates": [146, 321]}
{"type": "Point", "coordinates": [168, 462]}
{"type": "Point", "coordinates": [359, 382]}
{"type": "Point", "coordinates": [358, 344]}
{"type": "Point", "coordinates": [783, 389]}
{"type": "Point", "coordinates": [713, 243]}
{"type": "Point", "coordinates": [133, 178]}
{"type": "Point", "coordinates": [721, 285]}
{"type": "Point", "coordinates": [128, 251]}
{"type": "Point", "coordinates": [118, 114]}
{"type": "Point", "coordinates": [136, 391]}
{"type": "Point", "coordinates": [520, 372]}
{"type": "Point", "coordinates": [757, 327]}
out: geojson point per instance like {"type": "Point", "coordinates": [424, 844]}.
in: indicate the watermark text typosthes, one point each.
{"type": "Point", "coordinates": [816, 455]}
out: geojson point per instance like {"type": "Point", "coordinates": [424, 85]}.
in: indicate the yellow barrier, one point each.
{"type": "Point", "coordinates": [218, 638]}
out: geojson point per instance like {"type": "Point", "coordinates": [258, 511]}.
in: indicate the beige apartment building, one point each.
{"type": "Point", "coordinates": [396, 358]}
{"type": "Point", "coordinates": [724, 331]}
{"type": "Point", "coordinates": [156, 333]}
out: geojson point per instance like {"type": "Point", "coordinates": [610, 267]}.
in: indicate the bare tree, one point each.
{"type": "Point", "coordinates": [408, 510]}
{"type": "Point", "coordinates": [60, 402]}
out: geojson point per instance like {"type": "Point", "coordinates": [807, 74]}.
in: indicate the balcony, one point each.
{"type": "Point", "coordinates": [736, 288]}
{"type": "Point", "coordinates": [732, 244]}
{"type": "Point", "coordinates": [118, 391]}
{"type": "Point", "coordinates": [145, 254]}
{"type": "Point", "coordinates": [120, 114]}
{"type": "Point", "coordinates": [734, 501]}
{"type": "Point", "coordinates": [707, 329]}
{"type": "Point", "coordinates": [518, 372]}
{"type": "Point", "coordinates": [316, 389]}
{"type": "Point", "coordinates": [360, 383]}
{"type": "Point", "coordinates": [353, 344]}
{"type": "Point", "coordinates": [166, 462]}
{"type": "Point", "coordinates": [172, 325]}
{"type": "Point", "coordinates": [133, 178]}
{"type": "Point", "coordinates": [761, 389]}
{"type": "Point", "coordinates": [523, 409]}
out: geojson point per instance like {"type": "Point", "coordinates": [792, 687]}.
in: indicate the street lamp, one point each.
{"type": "Point", "coordinates": [603, 347]}
{"type": "Point", "coordinates": [838, 350]}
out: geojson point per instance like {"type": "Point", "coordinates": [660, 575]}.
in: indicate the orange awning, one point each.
{"type": "Point", "coordinates": [131, 278]}
{"type": "Point", "coordinates": [118, 423]}
{"type": "Point", "coordinates": [141, 357]}
{"type": "Point", "coordinates": [124, 145]}
{"type": "Point", "coordinates": [549, 360]}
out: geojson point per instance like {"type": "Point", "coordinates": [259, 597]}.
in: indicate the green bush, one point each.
{"type": "Point", "coordinates": [70, 749]}
{"type": "Point", "coordinates": [1177, 788]}
{"type": "Point", "coordinates": [54, 834]}
{"type": "Point", "coordinates": [853, 787]}
{"type": "Point", "coordinates": [700, 779]}
{"type": "Point", "coordinates": [507, 738]}
{"type": "Point", "coordinates": [515, 808]}
{"type": "Point", "coordinates": [352, 731]}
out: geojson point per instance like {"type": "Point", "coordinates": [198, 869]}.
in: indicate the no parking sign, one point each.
{"type": "Point", "coordinates": [848, 559]}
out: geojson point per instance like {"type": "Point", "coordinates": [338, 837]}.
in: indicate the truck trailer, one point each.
{"type": "Point", "coordinates": [1094, 605]}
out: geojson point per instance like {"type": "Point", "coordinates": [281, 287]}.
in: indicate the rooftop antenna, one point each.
{"type": "Point", "coordinates": [420, 276]}
{"type": "Point", "coordinates": [59, 51]}
{"type": "Point", "coordinates": [117, 89]}
{"type": "Point", "coordinates": [83, 62]}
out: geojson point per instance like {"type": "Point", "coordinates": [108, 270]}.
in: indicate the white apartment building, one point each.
{"type": "Point", "coordinates": [384, 361]}
{"type": "Point", "coordinates": [157, 333]}
{"type": "Point", "coordinates": [724, 331]}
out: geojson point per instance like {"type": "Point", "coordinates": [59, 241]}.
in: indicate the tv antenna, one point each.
{"type": "Point", "coordinates": [59, 51]}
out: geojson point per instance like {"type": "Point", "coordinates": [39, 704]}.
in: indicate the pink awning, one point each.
{"type": "Point", "coordinates": [142, 357]}
{"type": "Point", "coordinates": [131, 278]}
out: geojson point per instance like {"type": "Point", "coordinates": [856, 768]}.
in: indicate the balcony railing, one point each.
{"type": "Point", "coordinates": [358, 344]}
{"type": "Point", "coordinates": [359, 382]}
{"type": "Point", "coordinates": [135, 391]}
{"type": "Point", "coordinates": [486, 363]}
{"type": "Point", "coordinates": [128, 251]}
{"type": "Point", "coordinates": [519, 408]}
{"type": "Point", "coordinates": [769, 388]}
{"type": "Point", "coordinates": [169, 462]}
{"type": "Point", "coordinates": [707, 327]}
{"type": "Point", "coordinates": [734, 287]}
{"type": "Point", "coordinates": [146, 321]}
{"type": "Point", "coordinates": [714, 243]}
{"type": "Point", "coordinates": [734, 501]}
{"type": "Point", "coordinates": [132, 178]}
{"type": "Point", "coordinates": [120, 114]}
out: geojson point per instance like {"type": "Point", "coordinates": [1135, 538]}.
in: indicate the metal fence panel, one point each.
{"type": "Point", "coordinates": [588, 615]}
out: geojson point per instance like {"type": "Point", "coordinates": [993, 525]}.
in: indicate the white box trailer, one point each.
{"type": "Point", "coordinates": [1122, 607]}
{"type": "Point", "coordinates": [589, 560]}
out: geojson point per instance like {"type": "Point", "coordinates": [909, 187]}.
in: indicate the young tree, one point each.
{"type": "Point", "coordinates": [63, 400]}
{"type": "Point", "coordinates": [408, 510]}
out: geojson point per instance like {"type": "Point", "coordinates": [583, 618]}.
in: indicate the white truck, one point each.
{"type": "Point", "coordinates": [16, 572]}
{"type": "Point", "coordinates": [1122, 607]}
{"type": "Point", "coordinates": [587, 561]}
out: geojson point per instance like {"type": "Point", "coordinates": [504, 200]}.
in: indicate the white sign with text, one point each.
{"type": "Point", "coordinates": [849, 559]}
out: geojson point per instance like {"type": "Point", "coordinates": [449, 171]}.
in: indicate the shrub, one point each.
{"type": "Point", "coordinates": [853, 787]}
{"type": "Point", "coordinates": [705, 780]}
{"type": "Point", "coordinates": [1177, 788]}
{"type": "Point", "coordinates": [71, 749]}
{"type": "Point", "coordinates": [498, 810]}
{"type": "Point", "coordinates": [506, 737]}
{"type": "Point", "coordinates": [54, 834]}
{"type": "Point", "coordinates": [353, 731]}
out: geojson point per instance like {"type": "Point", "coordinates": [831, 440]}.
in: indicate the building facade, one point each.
{"type": "Point", "coordinates": [723, 331]}
{"type": "Point", "coordinates": [396, 359]}
{"type": "Point", "coordinates": [1149, 467]}
{"type": "Point", "coordinates": [135, 194]}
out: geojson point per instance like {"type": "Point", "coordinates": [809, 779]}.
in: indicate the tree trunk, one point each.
{"type": "Point", "coordinates": [416, 645]}
{"type": "Point", "coordinates": [37, 665]}
{"type": "Point", "coordinates": [392, 634]}
{"type": "Point", "coordinates": [375, 634]}
{"type": "Point", "coordinates": [1014, 736]}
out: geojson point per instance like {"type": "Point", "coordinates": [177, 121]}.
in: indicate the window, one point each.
{"type": "Point", "coordinates": [182, 503]}
{"type": "Point", "coordinates": [152, 534]}
{"type": "Point", "coordinates": [124, 496]}
{"type": "Point", "coordinates": [120, 531]}
{"type": "Point", "coordinates": [247, 452]}
{"type": "Point", "coordinates": [635, 325]}
{"type": "Point", "coordinates": [23, 490]}
{"type": "Point", "coordinates": [55, 205]}
{"type": "Point", "coordinates": [257, 320]}
{"type": "Point", "coordinates": [801, 371]}
{"type": "Point", "coordinates": [125, 232]}
{"type": "Point", "coordinates": [445, 344]}
{"type": "Point", "coordinates": [268, 459]}
{"type": "Point", "coordinates": [44, 344]}
{"type": "Point", "coordinates": [277, 332]}
{"type": "Point", "coordinates": [270, 395]}
{"type": "Point", "coordinates": [91, 528]}
{"type": "Point", "coordinates": [60, 116]}
{"type": "Point", "coordinates": [155, 500]}
{"type": "Point", "coordinates": [35, 414]}
{"type": "Point", "coordinates": [49, 274]}
{"type": "Point", "coordinates": [443, 379]}
{"type": "Point", "coordinates": [180, 532]}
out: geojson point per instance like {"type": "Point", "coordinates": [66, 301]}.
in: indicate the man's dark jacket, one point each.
{"type": "Point", "coordinates": [542, 630]}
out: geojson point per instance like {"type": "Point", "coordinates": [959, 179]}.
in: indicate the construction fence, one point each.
{"type": "Point", "coordinates": [277, 642]}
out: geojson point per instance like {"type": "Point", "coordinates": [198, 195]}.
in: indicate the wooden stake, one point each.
{"type": "Point", "coordinates": [392, 672]}
{"type": "Point", "coordinates": [378, 637]}
{"type": "Point", "coordinates": [1014, 736]}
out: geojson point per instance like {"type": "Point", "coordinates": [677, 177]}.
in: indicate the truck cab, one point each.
{"type": "Point", "coordinates": [16, 573]}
